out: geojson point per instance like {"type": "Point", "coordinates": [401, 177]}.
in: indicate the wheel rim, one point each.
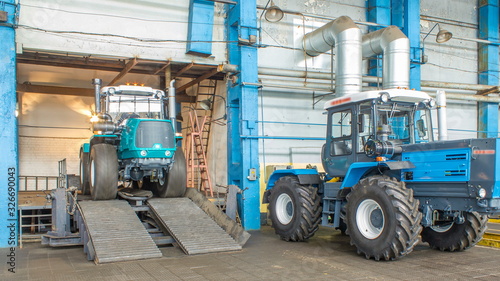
{"type": "Point", "coordinates": [370, 219]}
{"type": "Point", "coordinates": [284, 209]}
{"type": "Point", "coordinates": [92, 172]}
{"type": "Point", "coordinates": [442, 227]}
{"type": "Point", "coordinates": [81, 171]}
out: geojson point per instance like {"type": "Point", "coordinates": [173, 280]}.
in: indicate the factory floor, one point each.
{"type": "Point", "coordinates": [326, 256]}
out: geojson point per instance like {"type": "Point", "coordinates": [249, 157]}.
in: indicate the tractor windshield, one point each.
{"type": "Point", "coordinates": [403, 123]}
{"type": "Point", "coordinates": [127, 106]}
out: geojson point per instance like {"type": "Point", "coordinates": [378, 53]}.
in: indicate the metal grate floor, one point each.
{"type": "Point", "coordinates": [116, 232]}
{"type": "Point", "coordinates": [192, 228]}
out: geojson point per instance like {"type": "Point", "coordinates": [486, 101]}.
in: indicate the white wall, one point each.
{"type": "Point", "coordinates": [453, 61]}
{"type": "Point", "coordinates": [51, 128]}
{"type": "Point", "coordinates": [152, 29]}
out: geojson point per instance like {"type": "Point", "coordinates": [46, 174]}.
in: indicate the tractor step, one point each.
{"type": "Point", "coordinates": [191, 227]}
{"type": "Point", "coordinates": [115, 232]}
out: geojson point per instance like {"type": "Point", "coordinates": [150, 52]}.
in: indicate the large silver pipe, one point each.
{"type": "Point", "coordinates": [395, 47]}
{"type": "Point", "coordinates": [345, 35]}
{"type": "Point", "coordinates": [441, 110]}
{"type": "Point", "coordinates": [368, 79]}
{"type": "Point", "coordinates": [171, 103]}
{"type": "Point", "coordinates": [97, 93]}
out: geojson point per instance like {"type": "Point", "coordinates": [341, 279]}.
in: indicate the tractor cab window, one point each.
{"type": "Point", "coordinates": [341, 133]}
{"type": "Point", "coordinates": [423, 126]}
{"type": "Point", "coordinates": [393, 122]}
{"type": "Point", "coordinates": [123, 107]}
{"type": "Point", "coordinates": [365, 125]}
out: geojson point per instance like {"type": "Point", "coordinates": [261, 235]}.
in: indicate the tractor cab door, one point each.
{"type": "Point", "coordinates": [338, 152]}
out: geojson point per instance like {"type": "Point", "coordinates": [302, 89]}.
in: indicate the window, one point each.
{"type": "Point", "coordinates": [365, 125]}
{"type": "Point", "coordinates": [341, 133]}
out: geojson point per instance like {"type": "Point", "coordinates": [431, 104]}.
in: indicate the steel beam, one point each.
{"type": "Point", "coordinates": [243, 153]}
{"type": "Point", "coordinates": [8, 128]}
{"type": "Point", "coordinates": [488, 66]}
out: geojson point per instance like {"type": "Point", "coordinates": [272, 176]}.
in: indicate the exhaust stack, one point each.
{"type": "Point", "coordinates": [97, 90]}
{"type": "Point", "coordinates": [344, 34]}
{"type": "Point", "coordinates": [171, 102]}
{"type": "Point", "coordinates": [395, 47]}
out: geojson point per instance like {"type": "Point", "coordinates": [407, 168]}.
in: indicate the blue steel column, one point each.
{"type": "Point", "coordinates": [8, 129]}
{"type": "Point", "coordinates": [378, 11]}
{"type": "Point", "coordinates": [406, 14]}
{"type": "Point", "coordinates": [488, 66]}
{"type": "Point", "coordinates": [243, 152]}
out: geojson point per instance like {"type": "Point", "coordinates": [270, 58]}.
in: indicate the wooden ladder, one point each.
{"type": "Point", "coordinates": [197, 141]}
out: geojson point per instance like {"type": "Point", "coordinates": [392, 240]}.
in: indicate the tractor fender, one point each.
{"type": "Point", "coordinates": [305, 177]}
{"type": "Point", "coordinates": [85, 148]}
{"type": "Point", "coordinates": [357, 170]}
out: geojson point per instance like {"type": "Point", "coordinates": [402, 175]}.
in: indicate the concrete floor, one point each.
{"type": "Point", "coordinates": [326, 256]}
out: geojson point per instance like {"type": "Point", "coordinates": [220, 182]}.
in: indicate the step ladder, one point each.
{"type": "Point", "coordinates": [197, 140]}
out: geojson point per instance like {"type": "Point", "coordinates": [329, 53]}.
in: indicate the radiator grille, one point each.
{"type": "Point", "coordinates": [150, 133]}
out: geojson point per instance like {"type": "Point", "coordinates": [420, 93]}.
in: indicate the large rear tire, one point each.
{"type": "Point", "coordinates": [173, 183]}
{"type": "Point", "coordinates": [295, 209]}
{"type": "Point", "coordinates": [103, 176]}
{"type": "Point", "coordinates": [84, 173]}
{"type": "Point", "coordinates": [454, 237]}
{"type": "Point", "coordinates": [382, 218]}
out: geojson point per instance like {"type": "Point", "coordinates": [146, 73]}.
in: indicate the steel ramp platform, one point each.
{"type": "Point", "coordinates": [115, 232]}
{"type": "Point", "coordinates": [191, 227]}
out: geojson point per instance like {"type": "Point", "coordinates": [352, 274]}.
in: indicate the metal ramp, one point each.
{"type": "Point", "coordinates": [115, 233]}
{"type": "Point", "coordinates": [192, 228]}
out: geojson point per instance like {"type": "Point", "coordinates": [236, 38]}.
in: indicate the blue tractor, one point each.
{"type": "Point", "coordinates": [134, 142]}
{"type": "Point", "coordinates": [387, 182]}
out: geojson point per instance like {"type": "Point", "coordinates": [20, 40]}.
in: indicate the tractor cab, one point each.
{"type": "Point", "coordinates": [364, 125]}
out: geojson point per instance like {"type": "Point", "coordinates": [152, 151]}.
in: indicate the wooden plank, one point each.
{"type": "Point", "coordinates": [163, 68]}
{"type": "Point", "coordinates": [186, 68]}
{"type": "Point", "coordinates": [54, 90]}
{"type": "Point", "coordinates": [130, 64]}
{"type": "Point", "coordinates": [197, 80]}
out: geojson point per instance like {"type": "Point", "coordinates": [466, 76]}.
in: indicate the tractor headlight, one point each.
{"type": "Point", "coordinates": [432, 103]}
{"type": "Point", "coordinates": [168, 153]}
{"type": "Point", "coordinates": [111, 91]}
{"type": "Point", "coordinates": [144, 153]}
{"type": "Point", "coordinates": [481, 193]}
{"type": "Point", "coordinates": [384, 97]}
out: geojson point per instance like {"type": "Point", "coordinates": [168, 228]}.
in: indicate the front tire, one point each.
{"type": "Point", "coordinates": [382, 218]}
{"type": "Point", "coordinates": [456, 237]}
{"type": "Point", "coordinates": [174, 181]}
{"type": "Point", "coordinates": [103, 176]}
{"type": "Point", "coordinates": [295, 209]}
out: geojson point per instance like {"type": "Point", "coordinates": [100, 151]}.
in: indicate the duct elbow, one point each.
{"type": "Point", "coordinates": [325, 38]}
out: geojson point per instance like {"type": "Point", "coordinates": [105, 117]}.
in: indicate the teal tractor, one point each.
{"type": "Point", "coordinates": [134, 142]}
{"type": "Point", "coordinates": [387, 183]}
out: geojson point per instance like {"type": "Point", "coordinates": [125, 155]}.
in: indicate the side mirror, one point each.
{"type": "Point", "coordinates": [361, 123]}
{"type": "Point", "coordinates": [421, 128]}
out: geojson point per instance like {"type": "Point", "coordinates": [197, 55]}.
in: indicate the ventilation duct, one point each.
{"type": "Point", "coordinates": [395, 47]}
{"type": "Point", "coordinates": [345, 35]}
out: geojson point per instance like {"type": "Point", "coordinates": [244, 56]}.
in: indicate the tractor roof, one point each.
{"type": "Point", "coordinates": [131, 90]}
{"type": "Point", "coordinates": [401, 95]}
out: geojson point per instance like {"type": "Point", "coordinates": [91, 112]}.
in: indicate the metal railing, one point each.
{"type": "Point", "coordinates": [38, 183]}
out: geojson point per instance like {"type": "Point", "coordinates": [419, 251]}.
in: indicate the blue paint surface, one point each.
{"type": "Point", "coordinates": [8, 132]}
{"type": "Point", "coordinates": [200, 27]}
{"type": "Point", "coordinates": [243, 153]}
{"type": "Point", "coordinates": [488, 66]}
{"type": "Point", "coordinates": [288, 172]}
